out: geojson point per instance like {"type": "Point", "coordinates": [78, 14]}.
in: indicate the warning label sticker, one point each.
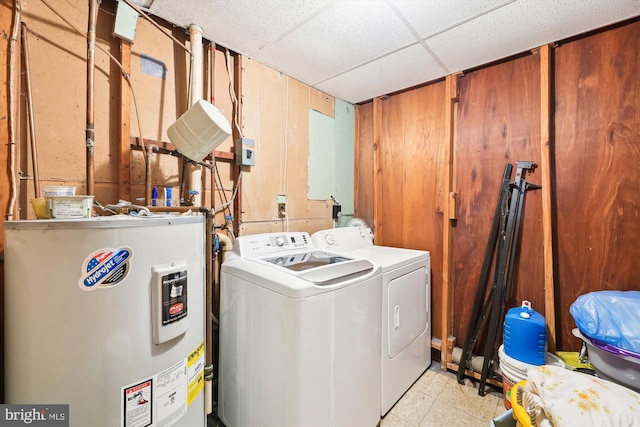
{"type": "Point", "coordinates": [105, 268]}
{"type": "Point", "coordinates": [158, 401]}
{"type": "Point", "coordinates": [138, 403]}
{"type": "Point", "coordinates": [195, 373]}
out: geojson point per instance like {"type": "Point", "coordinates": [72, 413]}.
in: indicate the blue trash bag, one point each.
{"type": "Point", "coordinates": [612, 317]}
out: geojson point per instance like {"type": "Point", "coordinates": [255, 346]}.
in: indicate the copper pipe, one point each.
{"type": "Point", "coordinates": [32, 126]}
{"type": "Point", "coordinates": [91, 66]}
{"type": "Point", "coordinates": [209, 339]}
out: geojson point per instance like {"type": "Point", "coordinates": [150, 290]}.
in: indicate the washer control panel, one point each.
{"type": "Point", "coordinates": [264, 244]}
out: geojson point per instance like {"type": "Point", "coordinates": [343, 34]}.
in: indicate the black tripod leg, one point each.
{"type": "Point", "coordinates": [476, 324]}
{"type": "Point", "coordinates": [505, 265]}
{"type": "Point", "coordinates": [500, 288]}
{"type": "Point", "coordinates": [511, 263]}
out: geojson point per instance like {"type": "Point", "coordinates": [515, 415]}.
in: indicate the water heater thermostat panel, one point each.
{"type": "Point", "coordinates": [169, 286]}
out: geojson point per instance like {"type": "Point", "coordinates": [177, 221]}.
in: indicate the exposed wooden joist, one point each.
{"type": "Point", "coordinates": [546, 101]}
{"type": "Point", "coordinates": [124, 179]}
{"type": "Point", "coordinates": [167, 148]}
{"type": "Point", "coordinates": [449, 204]}
{"type": "Point", "coordinates": [357, 146]}
{"type": "Point", "coordinates": [236, 134]}
{"type": "Point", "coordinates": [377, 168]}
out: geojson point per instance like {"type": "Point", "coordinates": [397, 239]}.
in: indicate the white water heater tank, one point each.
{"type": "Point", "coordinates": [107, 315]}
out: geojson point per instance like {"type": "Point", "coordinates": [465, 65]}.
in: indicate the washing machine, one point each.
{"type": "Point", "coordinates": [300, 332]}
{"type": "Point", "coordinates": [406, 308]}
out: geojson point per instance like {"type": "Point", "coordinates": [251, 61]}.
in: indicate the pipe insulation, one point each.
{"type": "Point", "coordinates": [476, 361]}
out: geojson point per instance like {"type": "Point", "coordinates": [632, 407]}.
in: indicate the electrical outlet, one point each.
{"type": "Point", "coordinates": [336, 212]}
{"type": "Point", "coordinates": [282, 205]}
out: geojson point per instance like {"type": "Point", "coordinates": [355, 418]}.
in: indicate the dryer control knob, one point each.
{"type": "Point", "coordinates": [330, 239]}
{"type": "Point", "coordinates": [280, 241]}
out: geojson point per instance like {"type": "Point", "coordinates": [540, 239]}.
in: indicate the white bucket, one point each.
{"type": "Point", "coordinates": [516, 370]}
{"type": "Point", "coordinates": [199, 130]}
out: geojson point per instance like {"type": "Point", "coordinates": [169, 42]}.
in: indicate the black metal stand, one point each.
{"type": "Point", "coordinates": [503, 241]}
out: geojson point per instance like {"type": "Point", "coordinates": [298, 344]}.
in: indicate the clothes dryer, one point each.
{"type": "Point", "coordinates": [406, 308]}
{"type": "Point", "coordinates": [300, 333]}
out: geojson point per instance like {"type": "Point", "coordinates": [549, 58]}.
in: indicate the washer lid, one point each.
{"type": "Point", "coordinates": [320, 267]}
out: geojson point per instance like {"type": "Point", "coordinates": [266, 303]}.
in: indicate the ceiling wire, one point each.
{"type": "Point", "coordinates": [232, 93]}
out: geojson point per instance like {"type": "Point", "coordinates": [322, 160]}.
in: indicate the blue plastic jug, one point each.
{"type": "Point", "coordinates": [525, 335]}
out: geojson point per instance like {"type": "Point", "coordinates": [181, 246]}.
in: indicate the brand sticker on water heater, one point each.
{"type": "Point", "coordinates": [105, 268]}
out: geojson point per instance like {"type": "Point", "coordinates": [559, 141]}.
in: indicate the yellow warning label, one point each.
{"type": "Point", "coordinates": [195, 372]}
{"type": "Point", "coordinates": [195, 388]}
{"type": "Point", "coordinates": [196, 354]}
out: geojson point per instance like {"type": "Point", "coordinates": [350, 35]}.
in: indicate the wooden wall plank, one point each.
{"type": "Point", "coordinates": [597, 130]}
{"type": "Point", "coordinates": [546, 194]}
{"type": "Point", "coordinates": [498, 123]}
{"type": "Point", "coordinates": [124, 175]}
{"type": "Point", "coordinates": [446, 298]}
{"type": "Point", "coordinates": [363, 163]}
{"type": "Point", "coordinates": [377, 170]}
{"type": "Point", "coordinates": [412, 164]}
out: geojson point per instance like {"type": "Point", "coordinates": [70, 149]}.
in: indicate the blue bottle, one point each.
{"type": "Point", "coordinates": [525, 335]}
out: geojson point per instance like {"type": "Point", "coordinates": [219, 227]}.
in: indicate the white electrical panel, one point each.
{"type": "Point", "coordinates": [245, 152]}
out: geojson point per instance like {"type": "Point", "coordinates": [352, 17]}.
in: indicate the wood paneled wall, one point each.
{"type": "Point", "coordinates": [597, 179]}
{"type": "Point", "coordinates": [497, 123]}
{"type": "Point", "coordinates": [594, 139]}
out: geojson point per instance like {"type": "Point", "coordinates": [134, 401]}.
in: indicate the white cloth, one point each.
{"type": "Point", "coordinates": [557, 397]}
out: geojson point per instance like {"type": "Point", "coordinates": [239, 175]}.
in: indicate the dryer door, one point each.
{"type": "Point", "coordinates": [407, 309]}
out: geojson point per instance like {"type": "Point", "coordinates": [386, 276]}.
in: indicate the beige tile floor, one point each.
{"type": "Point", "coordinates": [437, 399]}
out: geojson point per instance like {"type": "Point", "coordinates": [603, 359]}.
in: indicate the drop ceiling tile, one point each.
{"type": "Point", "coordinates": [431, 17]}
{"type": "Point", "coordinates": [341, 46]}
{"type": "Point", "coordinates": [244, 26]}
{"type": "Point", "coordinates": [521, 26]}
{"type": "Point", "coordinates": [341, 37]}
{"type": "Point", "coordinates": [403, 69]}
